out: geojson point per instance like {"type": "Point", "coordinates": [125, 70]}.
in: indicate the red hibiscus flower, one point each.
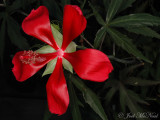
{"type": "Point", "coordinates": [89, 64]}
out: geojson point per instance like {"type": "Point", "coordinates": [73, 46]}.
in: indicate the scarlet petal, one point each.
{"type": "Point", "coordinates": [23, 70]}
{"type": "Point", "coordinates": [74, 24]}
{"type": "Point", "coordinates": [57, 93]}
{"type": "Point", "coordinates": [90, 64]}
{"type": "Point", "coordinates": [37, 24]}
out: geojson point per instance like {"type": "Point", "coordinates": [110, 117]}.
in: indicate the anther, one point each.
{"type": "Point", "coordinates": [29, 57]}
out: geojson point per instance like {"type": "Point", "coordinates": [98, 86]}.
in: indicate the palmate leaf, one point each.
{"type": "Point", "coordinates": [90, 97]}
{"type": "Point", "coordinates": [146, 31]}
{"type": "Point", "coordinates": [74, 102]}
{"type": "Point", "coordinates": [97, 15]}
{"type": "Point", "coordinates": [113, 8]}
{"type": "Point", "coordinates": [135, 20]}
{"type": "Point", "coordinates": [125, 42]}
{"type": "Point", "coordinates": [99, 36]}
{"type": "Point", "coordinates": [140, 82]}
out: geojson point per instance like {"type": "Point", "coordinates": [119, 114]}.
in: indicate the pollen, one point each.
{"type": "Point", "coordinates": [29, 57]}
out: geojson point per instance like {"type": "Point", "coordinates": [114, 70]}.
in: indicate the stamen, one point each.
{"type": "Point", "coordinates": [31, 57]}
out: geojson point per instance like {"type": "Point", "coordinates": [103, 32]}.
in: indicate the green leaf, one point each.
{"type": "Point", "coordinates": [90, 97]}
{"type": "Point", "coordinates": [65, 2]}
{"type": "Point", "coordinates": [71, 47]}
{"type": "Point", "coordinates": [135, 20]}
{"type": "Point", "coordinates": [125, 4]}
{"type": "Point", "coordinates": [15, 35]}
{"type": "Point", "coordinates": [94, 102]}
{"type": "Point", "coordinates": [47, 113]}
{"type": "Point", "coordinates": [126, 100]}
{"type": "Point", "coordinates": [125, 42]}
{"type": "Point", "coordinates": [2, 39]}
{"type": "Point", "coordinates": [57, 35]}
{"type": "Point", "coordinates": [46, 49]}
{"type": "Point", "coordinates": [52, 5]}
{"type": "Point", "coordinates": [74, 103]}
{"type": "Point", "coordinates": [106, 4]}
{"type": "Point", "coordinates": [50, 67]}
{"type": "Point", "coordinates": [124, 72]}
{"type": "Point", "coordinates": [146, 31]}
{"type": "Point", "coordinates": [97, 15]}
{"type": "Point", "coordinates": [122, 98]}
{"type": "Point", "coordinates": [140, 82]}
{"type": "Point", "coordinates": [99, 36]}
{"type": "Point", "coordinates": [110, 94]}
{"type": "Point", "coordinates": [113, 8]}
{"type": "Point", "coordinates": [59, 38]}
{"type": "Point", "coordinates": [67, 65]}
{"type": "Point", "coordinates": [135, 97]}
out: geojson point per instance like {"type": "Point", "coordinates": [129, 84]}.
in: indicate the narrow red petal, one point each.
{"type": "Point", "coordinates": [90, 64]}
{"type": "Point", "coordinates": [27, 64]}
{"type": "Point", "coordinates": [37, 24]}
{"type": "Point", "coordinates": [57, 93]}
{"type": "Point", "coordinates": [74, 24]}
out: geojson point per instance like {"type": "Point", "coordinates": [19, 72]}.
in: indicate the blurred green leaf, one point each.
{"type": "Point", "coordinates": [97, 15]}
{"type": "Point", "coordinates": [110, 94]}
{"type": "Point", "coordinates": [65, 2]}
{"type": "Point", "coordinates": [135, 20]}
{"type": "Point", "coordinates": [157, 63]}
{"type": "Point", "coordinates": [74, 103]}
{"type": "Point", "coordinates": [113, 8]}
{"type": "Point", "coordinates": [94, 102]}
{"type": "Point", "coordinates": [125, 4]}
{"type": "Point", "coordinates": [17, 4]}
{"type": "Point", "coordinates": [53, 6]}
{"type": "Point", "coordinates": [140, 82]}
{"type": "Point", "coordinates": [47, 113]}
{"type": "Point", "coordinates": [146, 31]}
{"type": "Point", "coordinates": [14, 33]}
{"type": "Point", "coordinates": [2, 39]}
{"type": "Point", "coordinates": [124, 72]}
{"type": "Point", "coordinates": [90, 97]}
{"type": "Point", "coordinates": [122, 97]}
{"type": "Point", "coordinates": [99, 36]}
{"type": "Point", "coordinates": [125, 42]}
{"type": "Point", "coordinates": [106, 4]}
{"type": "Point", "coordinates": [126, 100]}
{"type": "Point", "coordinates": [135, 97]}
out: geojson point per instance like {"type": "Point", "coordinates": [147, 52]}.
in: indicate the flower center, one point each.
{"type": "Point", "coordinates": [30, 57]}
{"type": "Point", "coordinates": [60, 53]}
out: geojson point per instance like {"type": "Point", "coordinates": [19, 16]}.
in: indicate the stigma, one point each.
{"type": "Point", "coordinates": [60, 53]}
